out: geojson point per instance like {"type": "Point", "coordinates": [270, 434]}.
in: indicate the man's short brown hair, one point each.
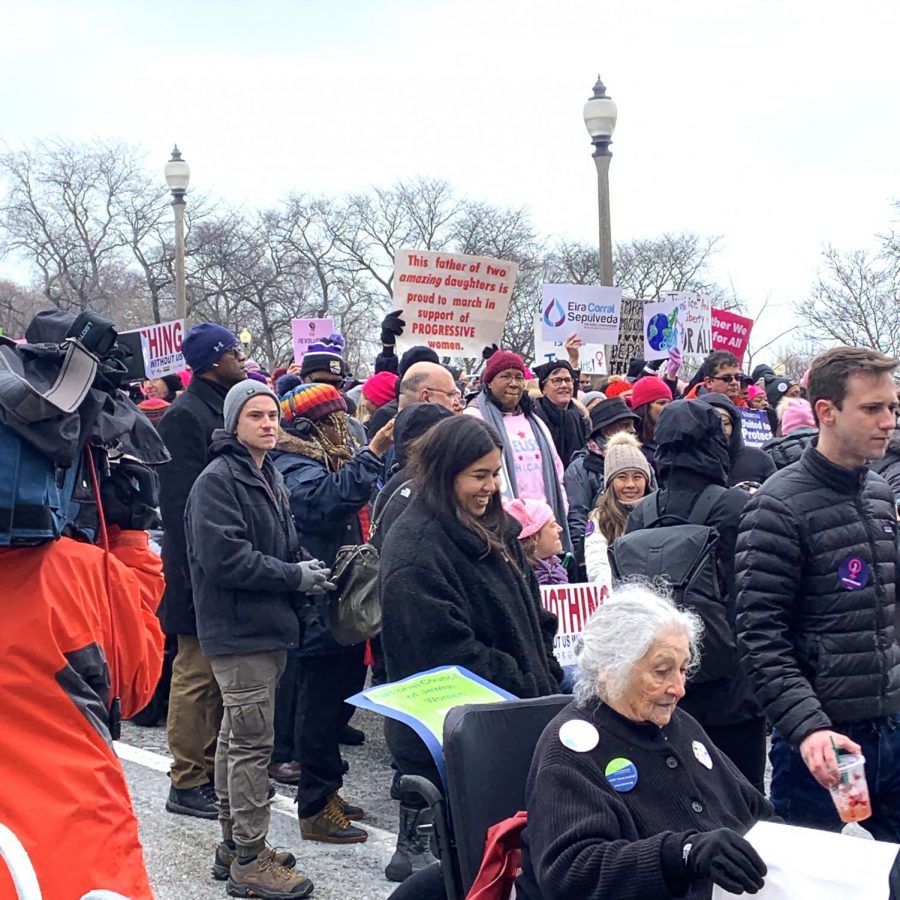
{"type": "Point", "coordinates": [831, 370]}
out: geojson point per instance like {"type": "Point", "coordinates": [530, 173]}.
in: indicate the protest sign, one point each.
{"type": "Point", "coordinates": [731, 332]}
{"type": "Point", "coordinates": [307, 331]}
{"type": "Point", "coordinates": [681, 319]}
{"type": "Point", "coordinates": [573, 605]}
{"type": "Point", "coordinates": [422, 701]}
{"type": "Point", "coordinates": [592, 357]}
{"type": "Point", "coordinates": [161, 348]}
{"type": "Point", "coordinates": [756, 427]}
{"type": "Point", "coordinates": [588, 310]}
{"type": "Point", "coordinates": [454, 303]}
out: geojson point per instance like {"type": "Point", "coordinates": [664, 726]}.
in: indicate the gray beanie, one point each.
{"type": "Point", "coordinates": [239, 395]}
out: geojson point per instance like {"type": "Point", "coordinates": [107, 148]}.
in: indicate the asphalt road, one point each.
{"type": "Point", "coordinates": [179, 849]}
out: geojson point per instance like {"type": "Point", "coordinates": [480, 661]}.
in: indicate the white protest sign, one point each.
{"type": "Point", "coordinates": [592, 357]}
{"type": "Point", "coordinates": [161, 348]}
{"type": "Point", "coordinates": [573, 605]}
{"type": "Point", "coordinates": [755, 427]}
{"type": "Point", "coordinates": [452, 302]}
{"type": "Point", "coordinates": [681, 319]}
{"type": "Point", "coordinates": [588, 310]}
{"type": "Point", "coordinates": [307, 331]}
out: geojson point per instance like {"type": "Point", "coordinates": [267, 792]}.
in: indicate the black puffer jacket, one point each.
{"type": "Point", "coordinates": [583, 482]}
{"type": "Point", "coordinates": [889, 467]}
{"type": "Point", "coordinates": [788, 449]}
{"type": "Point", "coordinates": [692, 455]}
{"type": "Point", "coordinates": [819, 649]}
{"type": "Point", "coordinates": [747, 463]}
{"type": "Point", "coordinates": [242, 550]}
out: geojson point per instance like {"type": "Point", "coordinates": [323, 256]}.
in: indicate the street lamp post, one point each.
{"type": "Point", "coordinates": [178, 174]}
{"type": "Point", "coordinates": [600, 121]}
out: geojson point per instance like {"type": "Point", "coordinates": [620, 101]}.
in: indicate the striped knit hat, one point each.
{"type": "Point", "coordinates": [311, 401]}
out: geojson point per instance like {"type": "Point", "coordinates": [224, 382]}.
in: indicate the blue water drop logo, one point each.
{"type": "Point", "coordinates": [554, 309]}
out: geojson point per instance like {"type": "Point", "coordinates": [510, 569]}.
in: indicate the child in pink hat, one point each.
{"type": "Point", "coordinates": [540, 537]}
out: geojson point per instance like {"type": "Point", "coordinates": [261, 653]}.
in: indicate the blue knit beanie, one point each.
{"type": "Point", "coordinates": [204, 344]}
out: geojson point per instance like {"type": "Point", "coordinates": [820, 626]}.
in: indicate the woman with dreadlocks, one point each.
{"type": "Point", "coordinates": [331, 480]}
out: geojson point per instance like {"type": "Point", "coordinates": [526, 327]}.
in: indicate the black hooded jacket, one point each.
{"type": "Point", "coordinates": [692, 454]}
{"type": "Point", "coordinates": [747, 463]}
{"type": "Point", "coordinates": [888, 467]}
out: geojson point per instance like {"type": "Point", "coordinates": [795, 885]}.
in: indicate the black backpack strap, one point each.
{"type": "Point", "coordinates": [708, 498]}
{"type": "Point", "coordinates": [373, 527]}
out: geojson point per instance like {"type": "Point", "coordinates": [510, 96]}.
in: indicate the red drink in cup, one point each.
{"type": "Point", "coordinates": [851, 793]}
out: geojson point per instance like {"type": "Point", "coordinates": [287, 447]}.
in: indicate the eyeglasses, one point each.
{"type": "Point", "coordinates": [560, 381]}
{"type": "Point", "coordinates": [455, 395]}
{"type": "Point", "coordinates": [236, 352]}
{"type": "Point", "coordinates": [726, 378]}
{"type": "Point", "coordinates": [517, 377]}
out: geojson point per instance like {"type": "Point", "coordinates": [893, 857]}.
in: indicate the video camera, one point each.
{"type": "Point", "coordinates": [61, 413]}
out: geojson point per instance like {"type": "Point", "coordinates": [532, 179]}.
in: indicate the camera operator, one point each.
{"type": "Point", "coordinates": [79, 629]}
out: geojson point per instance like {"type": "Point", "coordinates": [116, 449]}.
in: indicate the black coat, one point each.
{"type": "Point", "coordinates": [747, 463]}
{"type": "Point", "coordinates": [685, 470]}
{"type": "Point", "coordinates": [583, 482]}
{"type": "Point", "coordinates": [242, 549]}
{"type": "Point", "coordinates": [889, 466]}
{"type": "Point", "coordinates": [586, 841]}
{"type": "Point", "coordinates": [568, 427]}
{"type": "Point", "coordinates": [445, 602]}
{"type": "Point", "coordinates": [187, 428]}
{"type": "Point", "coordinates": [786, 450]}
{"type": "Point", "coordinates": [381, 417]}
{"type": "Point", "coordinates": [818, 652]}
{"type": "Point", "coordinates": [325, 506]}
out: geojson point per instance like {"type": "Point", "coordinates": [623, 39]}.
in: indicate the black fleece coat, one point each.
{"type": "Point", "coordinates": [692, 455]}
{"type": "Point", "coordinates": [747, 463]}
{"type": "Point", "coordinates": [447, 602]}
{"type": "Point", "coordinates": [568, 427]}
{"type": "Point", "coordinates": [186, 428]}
{"type": "Point", "coordinates": [819, 651]}
{"type": "Point", "coordinates": [586, 841]}
{"type": "Point", "coordinates": [242, 549]}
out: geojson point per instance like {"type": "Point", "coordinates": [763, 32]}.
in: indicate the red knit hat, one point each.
{"type": "Point", "coordinates": [312, 401]}
{"type": "Point", "coordinates": [617, 388]}
{"type": "Point", "coordinates": [381, 388]}
{"type": "Point", "coordinates": [153, 408]}
{"type": "Point", "coordinates": [500, 362]}
{"type": "Point", "coordinates": [648, 389]}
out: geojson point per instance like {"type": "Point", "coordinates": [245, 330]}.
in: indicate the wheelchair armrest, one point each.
{"type": "Point", "coordinates": [416, 784]}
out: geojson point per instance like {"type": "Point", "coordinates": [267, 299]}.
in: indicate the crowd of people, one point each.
{"type": "Point", "coordinates": [768, 616]}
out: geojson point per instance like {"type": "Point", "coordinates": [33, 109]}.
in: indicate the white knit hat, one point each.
{"type": "Point", "coordinates": [623, 454]}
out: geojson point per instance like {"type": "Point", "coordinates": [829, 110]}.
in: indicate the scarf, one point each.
{"type": "Point", "coordinates": [493, 416]}
{"type": "Point", "coordinates": [566, 427]}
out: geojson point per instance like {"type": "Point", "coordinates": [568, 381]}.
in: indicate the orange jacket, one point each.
{"type": "Point", "coordinates": [62, 788]}
{"type": "Point", "coordinates": [692, 395]}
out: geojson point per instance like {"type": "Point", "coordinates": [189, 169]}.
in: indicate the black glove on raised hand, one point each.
{"type": "Point", "coordinates": [130, 495]}
{"type": "Point", "coordinates": [726, 859]}
{"type": "Point", "coordinates": [488, 352]}
{"type": "Point", "coordinates": [392, 327]}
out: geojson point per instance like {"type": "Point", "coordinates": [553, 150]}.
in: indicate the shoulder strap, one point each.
{"type": "Point", "coordinates": [373, 527]}
{"type": "Point", "coordinates": [708, 498]}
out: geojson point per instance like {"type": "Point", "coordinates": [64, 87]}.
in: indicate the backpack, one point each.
{"type": "Point", "coordinates": [355, 606]}
{"type": "Point", "coordinates": [681, 554]}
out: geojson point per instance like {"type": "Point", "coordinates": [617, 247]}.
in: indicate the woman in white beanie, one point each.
{"type": "Point", "coordinates": [626, 476]}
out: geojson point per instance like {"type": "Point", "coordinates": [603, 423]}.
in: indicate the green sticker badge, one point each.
{"type": "Point", "coordinates": [621, 774]}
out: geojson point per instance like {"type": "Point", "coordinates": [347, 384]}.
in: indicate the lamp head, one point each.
{"type": "Point", "coordinates": [600, 115]}
{"type": "Point", "coordinates": [177, 172]}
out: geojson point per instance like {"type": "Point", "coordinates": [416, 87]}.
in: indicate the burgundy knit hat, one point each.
{"type": "Point", "coordinates": [648, 389]}
{"type": "Point", "coordinates": [500, 362]}
{"type": "Point", "coordinates": [381, 388]}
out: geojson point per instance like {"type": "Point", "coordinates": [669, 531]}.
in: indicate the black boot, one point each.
{"type": "Point", "coordinates": [412, 853]}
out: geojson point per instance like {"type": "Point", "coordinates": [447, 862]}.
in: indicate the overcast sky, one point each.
{"type": "Point", "coordinates": [772, 124]}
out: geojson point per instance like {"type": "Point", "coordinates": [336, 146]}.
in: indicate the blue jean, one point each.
{"type": "Point", "coordinates": [800, 800]}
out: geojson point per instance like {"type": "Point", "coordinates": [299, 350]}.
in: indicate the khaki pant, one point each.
{"type": "Point", "coordinates": [246, 740]}
{"type": "Point", "coordinates": [195, 716]}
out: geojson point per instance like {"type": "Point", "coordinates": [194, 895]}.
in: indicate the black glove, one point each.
{"type": "Point", "coordinates": [726, 858]}
{"type": "Point", "coordinates": [392, 327]}
{"type": "Point", "coordinates": [488, 352]}
{"type": "Point", "coordinates": [130, 495]}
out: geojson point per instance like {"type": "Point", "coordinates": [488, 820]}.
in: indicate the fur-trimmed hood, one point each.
{"type": "Point", "coordinates": [300, 446]}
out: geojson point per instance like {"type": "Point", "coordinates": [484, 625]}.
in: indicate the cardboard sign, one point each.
{"type": "Point", "coordinates": [307, 331]}
{"type": "Point", "coordinates": [681, 319]}
{"type": "Point", "coordinates": [590, 311]}
{"type": "Point", "coordinates": [756, 428]}
{"type": "Point", "coordinates": [422, 701]}
{"type": "Point", "coordinates": [731, 332]}
{"type": "Point", "coordinates": [592, 357]}
{"type": "Point", "coordinates": [161, 348]}
{"type": "Point", "coordinates": [573, 605]}
{"type": "Point", "coordinates": [454, 303]}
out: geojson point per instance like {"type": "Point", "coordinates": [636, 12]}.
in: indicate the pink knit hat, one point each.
{"type": "Point", "coordinates": [532, 515]}
{"type": "Point", "coordinates": [796, 413]}
{"type": "Point", "coordinates": [755, 391]}
{"type": "Point", "coordinates": [648, 389]}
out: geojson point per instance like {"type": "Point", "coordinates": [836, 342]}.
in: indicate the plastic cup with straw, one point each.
{"type": "Point", "coordinates": [851, 794]}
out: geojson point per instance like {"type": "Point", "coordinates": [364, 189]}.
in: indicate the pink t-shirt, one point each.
{"type": "Point", "coordinates": [526, 454]}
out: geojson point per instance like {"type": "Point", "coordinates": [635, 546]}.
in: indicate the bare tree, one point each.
{"type": "Point", "coordinates": [18, 306]}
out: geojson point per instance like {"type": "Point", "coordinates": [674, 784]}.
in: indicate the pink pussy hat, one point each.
{"type": "Point", "coordinates": [532, 515]}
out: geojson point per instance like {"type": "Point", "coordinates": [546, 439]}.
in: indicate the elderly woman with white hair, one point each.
{"type": "Point", "coordinates": [628, 799]}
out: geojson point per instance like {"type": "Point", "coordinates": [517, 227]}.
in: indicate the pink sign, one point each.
{"type": "Point", "coordinates": [307, 331]}
{"type": "Point", "coordinates": [731, 332]}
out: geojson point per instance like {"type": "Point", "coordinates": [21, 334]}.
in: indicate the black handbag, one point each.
{"type": "Point", "coordinates": [355, 605]}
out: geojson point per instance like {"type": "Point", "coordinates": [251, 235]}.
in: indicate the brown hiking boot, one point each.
{"type": "Point", "coordinates": [225, 856]}
{"type": "Point", "coordinates": [265, 877]}
{"type": "Point", "coordinates": [352, 812]}
{"type": "Point", "coordinates": [331, 826]}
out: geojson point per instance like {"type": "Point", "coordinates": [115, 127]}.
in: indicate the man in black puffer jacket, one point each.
{"type": "Point", "coordinates": [816, 574]}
